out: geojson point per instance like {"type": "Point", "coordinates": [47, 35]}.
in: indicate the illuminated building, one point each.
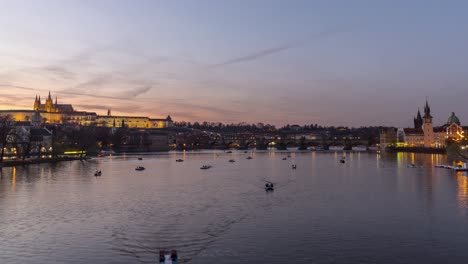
{"type": "Point", "coordinates": [53, 113]}
{"type": "Point", "coordinates": [423, 134]}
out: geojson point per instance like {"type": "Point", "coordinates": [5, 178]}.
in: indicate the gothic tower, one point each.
{"type": "Point", "coordinates": [48, 104]}
{"type": "Point", "coordinates": [418, 121]}
{"type": "Point", "coordinates": [427, 127]}
{"type": "Point", "coordinates": [37, 103]}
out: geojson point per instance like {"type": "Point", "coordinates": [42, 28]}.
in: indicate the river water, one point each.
{"type": "Point", "coordinates": [372, 209]}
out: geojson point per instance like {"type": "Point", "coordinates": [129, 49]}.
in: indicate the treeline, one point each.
{"type": "Point", "coordinates": [262, 127]}
{"type": "Point", "coordinates": [219, 127]}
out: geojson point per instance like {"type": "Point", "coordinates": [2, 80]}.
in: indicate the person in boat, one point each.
{"type": "Point", "coordinates": [162, 258]}
{"type": "Point", "coordinates": [174, 255]}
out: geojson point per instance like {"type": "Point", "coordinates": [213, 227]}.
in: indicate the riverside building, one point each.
{"type": "Point", "coordinates": [424, 134]}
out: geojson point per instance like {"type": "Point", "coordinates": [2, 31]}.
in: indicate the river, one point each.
{"type": "Point", "coordinates": [371, 209]}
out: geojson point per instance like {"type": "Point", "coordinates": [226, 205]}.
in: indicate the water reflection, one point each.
{"type": "Point", "coordinates": [462, 191]}
{"type": "Point", "coordinates": [13, 179]}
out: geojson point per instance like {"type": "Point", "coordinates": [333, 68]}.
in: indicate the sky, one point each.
{"type": "Point", "coordinates": [350, 63]}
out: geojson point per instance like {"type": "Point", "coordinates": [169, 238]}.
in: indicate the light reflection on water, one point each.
{"type": "Point", "coordinates": [372, 209]}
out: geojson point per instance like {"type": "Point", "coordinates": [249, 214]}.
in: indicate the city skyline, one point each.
{"type": "Point", "coordinates": [350, 64]}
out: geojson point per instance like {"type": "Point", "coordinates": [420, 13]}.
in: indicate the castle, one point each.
{"type": "Point", "coordinates": [53, 113]}
{"type": "Point", "coordinates": [424, 134]}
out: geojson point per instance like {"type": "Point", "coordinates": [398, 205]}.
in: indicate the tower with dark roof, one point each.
{"type": "Point", "coordinates": [418, 121]}
{"type": "Point", "coordinates": [427, 126]}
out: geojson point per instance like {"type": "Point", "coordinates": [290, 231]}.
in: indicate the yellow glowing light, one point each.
{"type": "Point", "coordinates": [74, 152]}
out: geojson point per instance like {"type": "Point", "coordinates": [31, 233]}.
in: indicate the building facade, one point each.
{"type": "Point", "coordinates": [424, 134]}
{"type": "Point", "coordinates": [51, 112]}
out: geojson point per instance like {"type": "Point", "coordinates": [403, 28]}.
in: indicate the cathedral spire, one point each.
{"type": "Point", "coordinates": [55, 100]}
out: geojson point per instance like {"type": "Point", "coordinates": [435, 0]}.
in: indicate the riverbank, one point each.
{"type": "Point", "coordinates": [11, 163]}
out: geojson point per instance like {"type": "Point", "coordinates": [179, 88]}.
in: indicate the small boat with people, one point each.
{"type": "Point", "coordinates": [249, 157]}
{"type": "Point", "coordinates": [140, 168]}
{"type": "Point", "coordinates": [140, 158]}
{"type": "Point", "coordinates": [97, 173]}
{"type": "Point", "coordinates": [294, 166]}
{"type": "Point", "coordinates": [229, 151]}
{"type": "Point", "coordinates": [179, 160]}
{"type": "Point", "coordinates": [285, 158]}
{"type": "Point", "coordinates": [269, 187]}
{"type": "Point", "coordinates": [166, 257]}
{"type": "Point", "coordinates": [205, 167]}
{"type": "Point", "coordinates": [231, 160]}
{"type": "Point", "coordinates": [342, 160]}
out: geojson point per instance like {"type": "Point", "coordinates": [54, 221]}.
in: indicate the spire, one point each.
{"type": "Point", "coordinates": [50, 98]}
{"type": "Point", "coordinates": [55, 100]}
{"type": "Point", "coordinates": [36, 98]}
{"type": "Point", "coordinates": [39, 99]}
{"type": "Point", "coordinates": [427, 110]}
{"type": "Point", "coordinates": [418, 121]}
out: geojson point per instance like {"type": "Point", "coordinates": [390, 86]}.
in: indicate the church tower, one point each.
{"type": "Point", "coordinates": [427, 127]}
{"type": "Point", "coordinates": [48, 104]}
{"type": "Point", "coordinates": [418, 121]}
{"type": "Point", "coordinates": [37, 103]}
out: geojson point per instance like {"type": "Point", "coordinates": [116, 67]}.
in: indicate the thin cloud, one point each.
{"type": "Point", "coordinates": [19, 87]}
{"type": "Point", "coordinates": [61, 72]}
{"type": "Point", "coordinates": [266, 52]}
{"type": "Point", "coordinates": [137, 91]}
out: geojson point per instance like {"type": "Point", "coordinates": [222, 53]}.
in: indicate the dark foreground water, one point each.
{"type": "Point", "coordinates": [373, 209]}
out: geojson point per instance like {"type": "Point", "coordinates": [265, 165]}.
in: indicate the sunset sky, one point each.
{"type": "Point", "coordinates": [347, 63]}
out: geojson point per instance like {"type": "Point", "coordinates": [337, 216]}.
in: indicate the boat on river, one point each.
{"type": "Point", "coordinates": [269, 187]}
{"type": "Point", "coordinates": [205, 167]}
{"type": "Point", "coordinates": [97, 173]}
{"type": "Point", "coordinates": [166, 257]}
{"type": "Point", "coordinates": [179, 160]}
{"type": "Point", "coordinates": [231, 160]}
{"type": "Point", "coordinates": [462, 167]}
{"type": "Point", "coordinates": [140, 168]}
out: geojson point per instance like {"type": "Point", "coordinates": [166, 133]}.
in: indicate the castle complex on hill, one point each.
{"type": "Point", "coordinates": [53, 113]}
{"type": "Point", "coordinates": [424, 134]}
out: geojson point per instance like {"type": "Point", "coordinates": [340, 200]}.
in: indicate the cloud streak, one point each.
{"type": "Point", "coordinates": [19, 87]}
{"type": "Point", "coordinates": [270, 51]}
{"type": "Point", "coordinates": [137, 91]}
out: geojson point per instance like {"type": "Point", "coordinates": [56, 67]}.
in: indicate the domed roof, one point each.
{"type": "Point", "coordinates": [453, 119]}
